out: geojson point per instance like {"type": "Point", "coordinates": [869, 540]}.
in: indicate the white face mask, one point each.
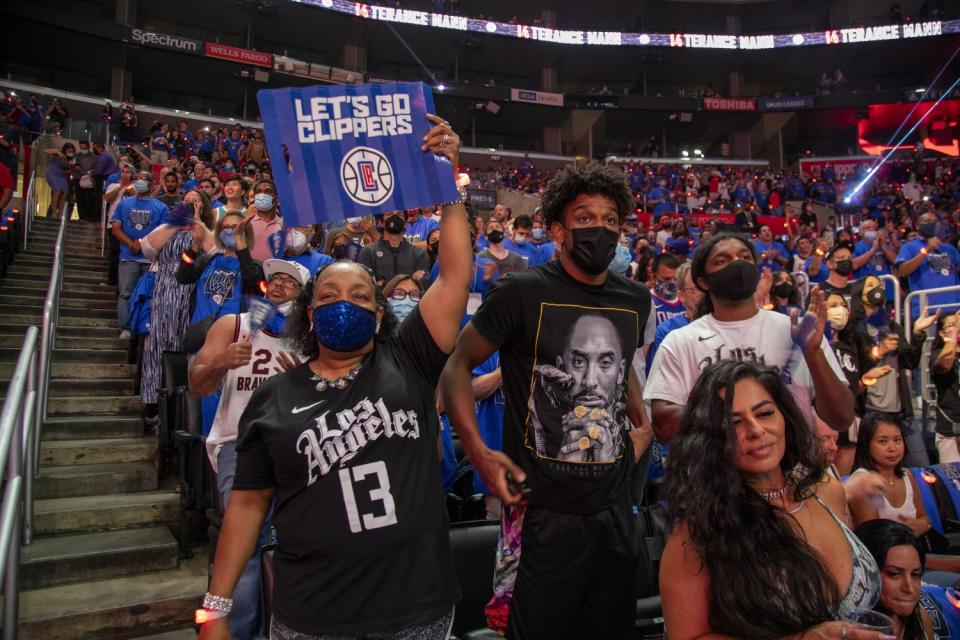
{"type": "Point", "coordinates": [285, 307]}
{"type": "Point", "coordinates": [296, 240]}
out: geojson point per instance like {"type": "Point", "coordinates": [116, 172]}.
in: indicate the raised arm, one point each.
{"type": "Point", "coordinates": [833, 400]}
{"type": "Point", "coordinates": [218, 355]}
{"type": "Point", "coordinates": [445, 301]}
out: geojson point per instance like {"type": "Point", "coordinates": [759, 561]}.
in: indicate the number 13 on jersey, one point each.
{"type": "Point", "coordinates": [380, 494]}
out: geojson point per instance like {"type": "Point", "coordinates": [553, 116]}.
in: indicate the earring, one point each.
{"type": "Point", "coordinates": [378, 329]}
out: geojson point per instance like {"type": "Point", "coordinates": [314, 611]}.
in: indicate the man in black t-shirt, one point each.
{"type": "Point", "coordinates": [574, 421]}
{"type": "Point", "coordinates": [392, 254]}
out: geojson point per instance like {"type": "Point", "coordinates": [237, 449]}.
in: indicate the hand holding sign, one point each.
{"type": "Point", "coordinates": [442, 140]}
{"type": "Point", "coordinates": [357, 150]}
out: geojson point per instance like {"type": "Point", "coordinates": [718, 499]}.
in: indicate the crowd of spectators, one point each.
{"type": "Point", "coordinates": [800, 321]}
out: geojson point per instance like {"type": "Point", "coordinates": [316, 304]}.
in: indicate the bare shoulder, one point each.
{"type": "Point", "coordinates": [680, 552]}
{"type": "Point", "coordinates": [830, 490]}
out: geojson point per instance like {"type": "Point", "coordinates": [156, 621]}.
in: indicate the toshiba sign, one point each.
{"type": "Point", "coordinates": [167, 41]}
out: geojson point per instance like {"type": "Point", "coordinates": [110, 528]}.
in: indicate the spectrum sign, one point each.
{"type": "Point", "coordinates": [428, 19]}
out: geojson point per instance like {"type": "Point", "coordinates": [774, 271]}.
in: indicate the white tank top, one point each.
{"type": "Point", "coordinates": [240, 383]}
{"type": "Point", "coordinates": [907, 509]}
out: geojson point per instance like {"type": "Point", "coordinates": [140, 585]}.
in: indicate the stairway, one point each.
{"type": "Point", "coordinates": [103, 563]}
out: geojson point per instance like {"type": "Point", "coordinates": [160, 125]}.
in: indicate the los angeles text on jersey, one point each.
{"type": "Point", "coordinates": [335, 117]}
{"type": "Point", "coordinates": [325, 445]}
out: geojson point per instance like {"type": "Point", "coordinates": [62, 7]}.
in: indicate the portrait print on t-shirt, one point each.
{"type": "Point", "coordinates": [576, 409]}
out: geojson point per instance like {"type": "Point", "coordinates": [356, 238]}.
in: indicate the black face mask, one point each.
{"type": "Point", "coordinates": [495, 237]}
{"type": "Point", "coordinates": [735, 282]}
{"type": "Point", "coordinates": [783, 290]}
{"type": "Point", "coordinates": [928, 229]}
{"type": "Point", "coordinates": [394, 224]}
{"type": "Point", "coordinates": [844, 267]}
{"type": "Point", "coordinates": [875, 297]}
{"type": "Point", "coordinates": [593, 248]}
{"type": "Point", "coordinates": [339, 251]}
{"type": "Point", "coordinates": [435, 248]}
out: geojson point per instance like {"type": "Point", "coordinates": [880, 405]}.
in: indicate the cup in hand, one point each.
{"type": "Point", "coordinates": [872, 620]}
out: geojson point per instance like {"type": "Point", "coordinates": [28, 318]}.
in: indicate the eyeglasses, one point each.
{"type": "Point", "coordinates": [285, 281]}
{"type": "Point", "coordinates": [400, 294]}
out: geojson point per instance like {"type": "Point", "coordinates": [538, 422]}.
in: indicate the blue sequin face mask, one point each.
{"type": "Point", "coordinates": [343, 326]}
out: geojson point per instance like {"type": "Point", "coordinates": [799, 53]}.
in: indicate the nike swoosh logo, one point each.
{"type": "Point", "coordinates": [702, 338]}
{"type": "Point", "coordinates": [297, 410]}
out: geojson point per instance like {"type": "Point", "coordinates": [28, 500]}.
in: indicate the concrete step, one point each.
{"type": "Point", "coordinates": [87, 356]}
{"type": "Point", "coordinates": [100, 333]}
{"type": "Point", "coordinates": [95, 479]}
{"type": "Point", "coordinates": [93, 343]}
{"type": "Point", "coordinates": [92, 405]}
{"type": "Point", "coordinates": [35, 309]}
{"type": "Point", "coordinates": [96, 292]}
{"type": "Point", "coordinates": [98, 387]}
{"type": "Point", "coordinates": [92, 427]}
{"type": "Point", "coordinates": [76, 288]}
{"type": "Point", "coordinates": [43, 275]}
{"type": "Point", "coordinates": [109, 356]}
{"type": "Point", "coordinates": [116, 609]}
{"type": "Point", "coordinates": [58, 453]}
{"type": "Point", "coordinates": [68, 305]}
{"type": "Point", "coordinates": [33, 318]}
{"type": "Point", "coordinates": [102, 513]}
{"type": "Point", "coordinates": [71, 265]}
{"type": "Point", "coordinates": [80, 370]}
{"type": "Point", "coordinates": [182, 634]}
{"type": "Point", "coordinates": [81, 249]}
{"type": "Point", "coordinates": [94, 556]}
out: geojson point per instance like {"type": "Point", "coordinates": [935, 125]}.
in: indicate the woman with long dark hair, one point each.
{"type": "Point", "coordinates": [759, 550]}
{"type": "Point", "coordinates": [347, 444]}
{"type": "Point", "coordinates": [880, 448]}
{"type": "Point", "coordinates": [901, 559]}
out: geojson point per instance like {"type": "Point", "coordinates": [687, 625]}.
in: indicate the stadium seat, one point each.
{"type": "Point", "coordinates": [947, 497]}
{"type": "Point", "coordinates": [650, 535]}
{"type": "Point", "coordinates": [941, 603]}
{"type": "Point", "coordinates": [474, 548]}
{"type": "Point", "coordinates": [929, 499]}
{"type": "Point", "coordinates": [174, 376]}
{"type": "Point", "coordinates": [266, 583]}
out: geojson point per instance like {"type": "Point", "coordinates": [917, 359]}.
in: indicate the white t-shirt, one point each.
{"type": "Point", "coordinates": [764, 339]}
{"type": "Point", "coordinates": [239, 384]}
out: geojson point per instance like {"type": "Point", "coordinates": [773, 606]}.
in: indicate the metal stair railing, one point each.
{"type": "Point", "coordinates": [23, 413]}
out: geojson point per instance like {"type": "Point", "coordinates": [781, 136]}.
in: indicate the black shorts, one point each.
{"type": "Point", "coordinates": [576, 575]}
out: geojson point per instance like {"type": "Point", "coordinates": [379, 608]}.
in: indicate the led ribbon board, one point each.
{"type": "Point", "coordinates": [881, 33]}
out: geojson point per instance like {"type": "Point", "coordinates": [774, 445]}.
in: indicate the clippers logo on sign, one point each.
{"type": "Point", "coordinates": [367, 176]}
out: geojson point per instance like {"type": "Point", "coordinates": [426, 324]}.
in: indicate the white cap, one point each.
{"type": "Point", "coordinates": [292, 269]}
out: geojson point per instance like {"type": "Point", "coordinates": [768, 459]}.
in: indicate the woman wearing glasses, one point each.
{"type": "Point", "coordinates": [403, 291]}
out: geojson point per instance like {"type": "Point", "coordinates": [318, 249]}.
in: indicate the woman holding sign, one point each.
{"type": "Point", "coordinates": [347, 445]}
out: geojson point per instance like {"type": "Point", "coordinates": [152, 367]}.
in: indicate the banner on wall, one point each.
{"type": "Point", "coordinates": [791, 103]}
{"type": "Point", "coordinates": [537, 97]}
{"type": "Point", "coordinates": [729, 104]}
{"type": "Point", "coordinates": [237, 54]}
{"type": "Point", "coordinates": [352, 150]}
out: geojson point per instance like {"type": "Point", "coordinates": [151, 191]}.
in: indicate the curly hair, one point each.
{"type": "Point", "coordinates": [770, 581]}
{"type": "Point", "coordinates": [299, 329]}
{"type": "Point", "coordinates": [591, 178]}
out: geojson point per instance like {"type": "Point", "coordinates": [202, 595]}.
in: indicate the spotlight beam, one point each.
{"type": "Point", "coordinates": [886, 157]}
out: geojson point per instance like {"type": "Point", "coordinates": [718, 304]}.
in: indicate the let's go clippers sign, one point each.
{"type": "Point", "coordinates": [352, 150]}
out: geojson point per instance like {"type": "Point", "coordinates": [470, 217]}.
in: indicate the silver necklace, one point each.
{"type": "Point", "coordinates": [796, 509]}
{"type": "Point", "coordinates": [337, 383]}
{"type": "Point", "coordinates": [778, 494]}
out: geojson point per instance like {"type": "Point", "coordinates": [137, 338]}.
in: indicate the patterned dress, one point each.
{"type": "Point", "coordinates": [170, 313]}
